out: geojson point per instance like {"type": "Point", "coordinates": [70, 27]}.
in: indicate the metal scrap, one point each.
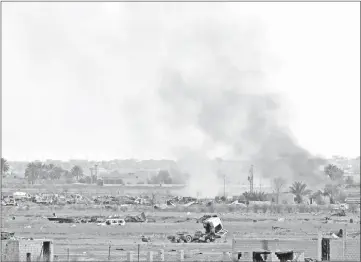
{"type": "Point", "coordinates": [141, 218]}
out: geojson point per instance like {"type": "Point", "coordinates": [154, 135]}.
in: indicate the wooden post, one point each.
{"type": "Point", "coordinates": [28, 257]}
{"type": "Point", "coordinates": [68, 255]}
{"type": "Point", "coordinates": [138, 251]}
{"type": "Point", "coordinates": [109, 253]}
{"type": "Point", "coordinates": [161, 254]}
{"type": "Point", "coordinates": [130, 256]}
{"type": "Point", "coordinates": [181, 255]}
{"type": "Point", "coordinates": [344, 239]}
{"type": "Point", "coordinates": [150, 256]}
{"type": "Point", "coordinates": [319, 245]}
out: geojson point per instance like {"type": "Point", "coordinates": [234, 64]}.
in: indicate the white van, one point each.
{"type": "Point", "coordinates": [21, 196]}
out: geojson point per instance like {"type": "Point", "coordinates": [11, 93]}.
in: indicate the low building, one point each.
{"type": "Point", "coordinates": [127, 176]}
{"type": "Point", "coordinates": [286, 198]}
{"type": "Point", "coordinates": [27, 250]}
{"type": "Point", "coordinates": [353, 200]}
{"type": "Point", "coordinates": [352, 175]}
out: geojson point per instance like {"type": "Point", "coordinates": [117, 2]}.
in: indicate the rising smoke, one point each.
{"type": "Point", "coordinates": [224, 96]}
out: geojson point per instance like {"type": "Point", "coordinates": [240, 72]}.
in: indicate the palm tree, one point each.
{"type": "Point", "coordinates": [77, 172]}
{"type": "Point", "coordinates": [333, 191]}
{"type": "Point", "coordinates": [50, 166]}
{"type": "Point", "coordinates": [299, 189]}
{"type": "Point", "coordinates": [57, 171]}
{"type": "Point", "coordinates": [4, 166]}
{"type": "Point", "coordinates": [67, 174]}
{"type": "Point", "coordinates": [43, 171]}
{"type": "Point", "coordinates": [32, 172]}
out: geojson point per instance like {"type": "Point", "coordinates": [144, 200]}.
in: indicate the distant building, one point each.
{"type": "Point", "coordinates": [286, 198]}
{"type": "Point", "coordinates": [354, 176]}
{"type": "Point", "coordinates": [353, 200]}
{"type": "Point", "coordinates": [127, 176]}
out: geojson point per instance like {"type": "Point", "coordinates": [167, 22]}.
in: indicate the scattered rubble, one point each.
{"type": "Point", "coordinates": [7, 235]}
{"type": "Point", "coordinates": [141, 218]}
{"type": "Point", "coordinates": [113, 222]}
{"type": "Point", "coordinates": [340, 213]}
{"type": "Point", "coordinates": [62, 219]}
{"type": "Point", "coordinates": [145, 239]}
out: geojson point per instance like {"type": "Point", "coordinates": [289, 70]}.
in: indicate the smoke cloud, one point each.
{"type": "Point", "coordinates": [225, 96]}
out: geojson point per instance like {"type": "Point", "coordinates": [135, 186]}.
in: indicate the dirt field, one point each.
{"type": "Point", "coordinates": [91, 242]}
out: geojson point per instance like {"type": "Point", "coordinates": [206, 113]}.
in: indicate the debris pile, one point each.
{"type": "Point", "coordinates": [7, 235]}
{"type": "Point", "coordinates": [140, 219]}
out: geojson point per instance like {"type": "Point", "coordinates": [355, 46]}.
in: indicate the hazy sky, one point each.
{"type": "Point", "coordinates": [80, 80]}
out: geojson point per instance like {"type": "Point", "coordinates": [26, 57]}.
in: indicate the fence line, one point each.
{"type": "Point", "coordinates": [345, 248]}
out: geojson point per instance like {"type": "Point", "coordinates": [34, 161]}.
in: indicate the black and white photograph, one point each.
{"type": "Point", "coordinates": [180, 131]}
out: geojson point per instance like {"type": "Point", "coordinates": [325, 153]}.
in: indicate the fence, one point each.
{"type": "Point", "coordinates": [321, 248]}
{"type": "Point", "coordinates": [142, 254]}
{"type": "Point", "coordinates": [317, 246]}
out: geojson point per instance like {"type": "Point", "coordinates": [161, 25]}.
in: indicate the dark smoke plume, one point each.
{"type": "Point", "coordinates": [227, 100]}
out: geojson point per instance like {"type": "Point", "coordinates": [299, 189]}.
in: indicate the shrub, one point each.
{"type": "Point", "coordinates": [302, 208]}
{"type": "Point", "coordinates": [246, 209]}
{"type": "Point", "coordinates": [255, 208]}
{"type": "Point", "coordinates": [255, 196]}
{"type": "Point", "coordinates": [314, 209]}
{"type": "Point", "coordinates": [354, 208]}
{"type": "Point", "coordinates": [289, 208]}
{"type": "Point", "coordinates": [232, 208]}
{"type": "Point", "coordinates": [88, 179]}
{"type": "Point", "coordinates": [276, 208]}
{"type": "Point", "coordinates": [264, 208]}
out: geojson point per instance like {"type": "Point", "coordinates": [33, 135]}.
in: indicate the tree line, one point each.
{"type": "Point", "coordinates": [39, 171]}
{"type": "Point", "coordinates": [333, 189]}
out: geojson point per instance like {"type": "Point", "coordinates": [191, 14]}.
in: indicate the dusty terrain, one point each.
{"type": "Point", "coordinates": [91, 242]}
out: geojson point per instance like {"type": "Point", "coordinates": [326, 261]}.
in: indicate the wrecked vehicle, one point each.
{"type": "Point", "coordinates": [62, 219]}
{"type": "Point", "coordinates": [8, 201]}
{"type": "Point", "coordinates": [141, 218]}
{"type": "Point", "coordinates": [113, 222]}
{"type": "Point", "coordinates": [21, 196]}
{"type": "Point", "coordinates": [339, 213]}
{"type": "Point", "coordinates": [213, 230]}
{"type": "Point", "coordinates": [7, 235]}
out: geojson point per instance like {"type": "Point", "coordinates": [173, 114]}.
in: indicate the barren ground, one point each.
{"type": "Point", "coordinates": [91, 242]}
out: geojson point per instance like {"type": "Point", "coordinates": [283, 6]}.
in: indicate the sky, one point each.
{"type": "Point", "coordinates": [82, 80]}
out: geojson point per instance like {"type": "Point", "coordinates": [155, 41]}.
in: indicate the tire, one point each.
{"type": "Point", "coordinates": [188, 239]}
